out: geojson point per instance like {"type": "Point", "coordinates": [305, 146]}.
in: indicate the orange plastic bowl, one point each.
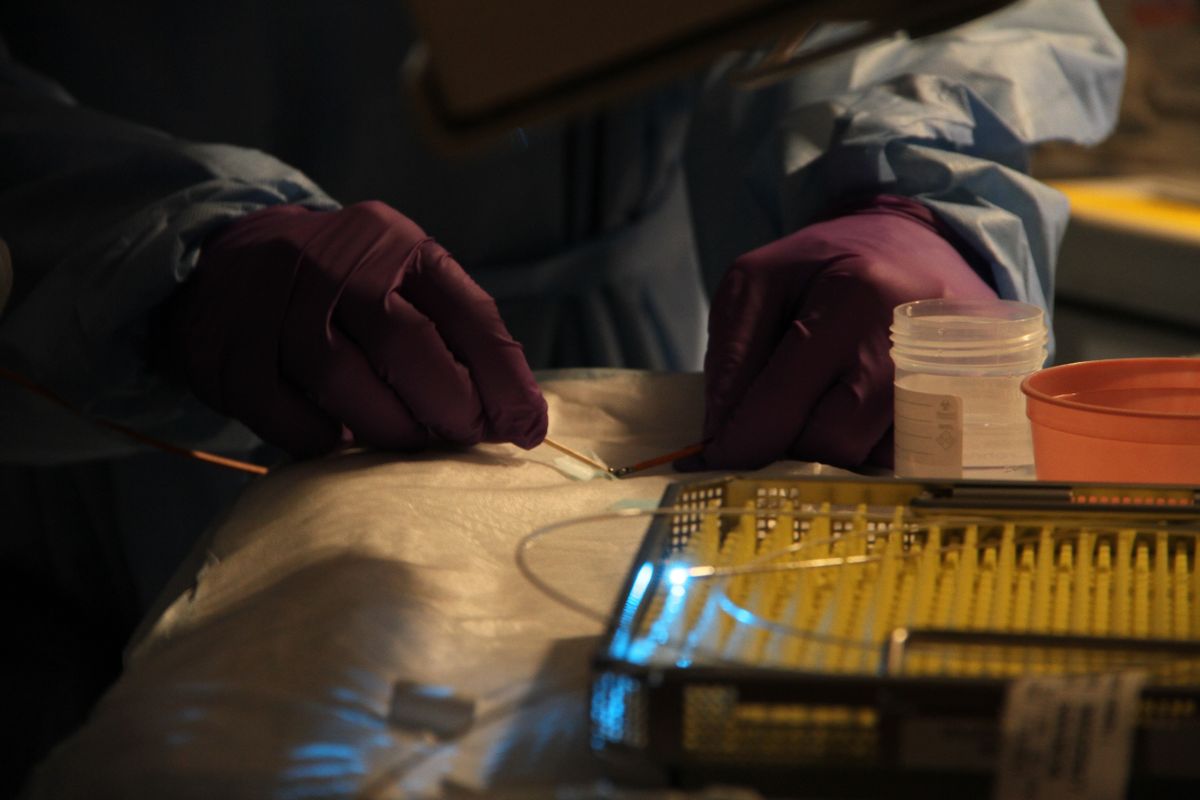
{"type": "Point", "coordinates": [1131, 420]}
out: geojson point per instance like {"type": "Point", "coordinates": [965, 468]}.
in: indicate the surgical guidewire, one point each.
{"type": "Point", "coordinates": [679, 572]}
{"type": "Point", "coordinates": [665, 458]}
{"type": "Point", "coordinates": [564, 599]}
{"type": "Point", "coordinates": [137, 436]}
{"type": "Point", "coordinates": [256, 469]}
{"type": "Point", "coordinates": [621, 472]}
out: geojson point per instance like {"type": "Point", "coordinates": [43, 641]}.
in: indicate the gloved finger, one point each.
{"type": "Point", "coordinates": [232, 367]}
{"type": "Point", "coordinates": [751, 308]}
{"type": "Point", "coordinates": [276, 411]}
{"type": "Point", "coordinates": [775, 408]}
{"type": "Point", "coordinates": [407, 351]}
{"type": "Point", "coordinates": [845, 425]}
{"type": "Point", "coordinates": [469, 323]}
{"type": "Point", "coordinates": [341, 381]}
{"type": "Point", "coordinates": [884, 453]}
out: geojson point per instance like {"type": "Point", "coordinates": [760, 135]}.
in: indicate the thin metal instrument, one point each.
{"type": "Point", "coordinates": [690, 450]}
{"type": "Point", "coordinates": [621, 472]}
{"type": "Point", "coordinates": [578, 456]}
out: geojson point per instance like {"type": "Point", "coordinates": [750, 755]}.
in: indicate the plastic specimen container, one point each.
{"type": "Point", "coordinates": [959, 367]}
{"type": "Point", "coordinates": [1127, 419]}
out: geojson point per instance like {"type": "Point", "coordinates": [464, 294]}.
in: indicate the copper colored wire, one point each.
{"type": "Point", "coordinates": [665, 458]}
{"type": "Point", "coordinates": [137, 436]}
{"type": "Point", "coordinates": [255, 469]}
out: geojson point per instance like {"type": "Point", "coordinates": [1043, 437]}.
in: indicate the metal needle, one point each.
{"type": "Point", "coordinates": [591, 462]}
{"type": "Point", "coordinates": [690, 450]}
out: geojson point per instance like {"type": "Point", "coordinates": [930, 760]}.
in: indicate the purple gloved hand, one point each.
{"type": "Point", "coordinates": [798, 363]}
{"type": "Point", "coordinates": [312, 326]}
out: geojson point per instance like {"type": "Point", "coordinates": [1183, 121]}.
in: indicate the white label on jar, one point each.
{"type": "Point", "coordinates": [929, 433]}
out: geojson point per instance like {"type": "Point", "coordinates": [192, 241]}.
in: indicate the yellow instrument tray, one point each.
{"type": "Point", "coordinates": [770, 627]}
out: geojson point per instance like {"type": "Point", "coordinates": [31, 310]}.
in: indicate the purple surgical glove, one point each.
{"type": "Point", "coordinates": [798, 363]}
{"type": "Point", "coordinates": [312, 326]}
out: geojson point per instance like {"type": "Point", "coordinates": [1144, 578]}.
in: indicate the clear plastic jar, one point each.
{"type": "Point", "coordinates": [959, 366]}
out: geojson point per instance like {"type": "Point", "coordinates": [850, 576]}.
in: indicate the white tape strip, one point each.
{"type": "Point", "coordinates": [1068, 736]}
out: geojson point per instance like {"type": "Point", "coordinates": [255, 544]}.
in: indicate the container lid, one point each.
{"type": "Point", "coordinates": [945, 322]}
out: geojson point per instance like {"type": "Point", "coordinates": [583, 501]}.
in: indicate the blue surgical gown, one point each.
{"type": "Point", "coordinates": [597, 236]}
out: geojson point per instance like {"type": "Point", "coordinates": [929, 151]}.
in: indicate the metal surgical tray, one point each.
{"type": "Point", "coordinates": [845, 635]}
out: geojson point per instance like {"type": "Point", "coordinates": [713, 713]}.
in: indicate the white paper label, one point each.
{"type": "Point", "coordinates": [929, 434]}
{"type": "Point", "coordinates": [1067, 737]}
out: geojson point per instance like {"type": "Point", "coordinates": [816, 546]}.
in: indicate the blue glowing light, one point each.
{"type": "Point", "coordinates": [321, 770]}
{"type": "Point", "coordinates": [361, 718]}
{"type": "Point", "coordinates": [608, 708]}
{"type": "Point", "coordinates": [433, 691]}
{"type": "Point", "coordinates": [623, 633]}
{"type": "Point", "coordinates": [645, 573]}
{"type": "Point", "coordinates": [325, 750]}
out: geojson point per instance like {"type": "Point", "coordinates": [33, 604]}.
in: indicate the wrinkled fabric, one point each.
{"type": "Point", "coordinates": [950, 122]}
{"type": "Point", "coordinates": [798, 363]}
{"type": "Point", "coordinates": [273, 670]}
{"type": "Point", "coordinates": [303, 323]}
{"type": "Point", "coordinates": [1157, 130]}
{"type": "Point", "coordinates": [104, 219]}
